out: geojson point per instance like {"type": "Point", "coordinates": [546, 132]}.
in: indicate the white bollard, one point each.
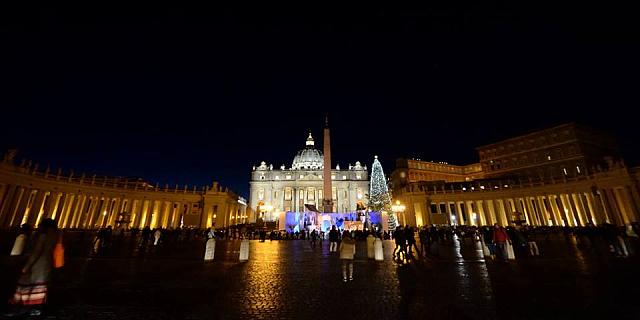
{"type": "Point", "coordinates": [244, 250]}
{"type": "Point", "coordinates": [377, 245]}
{"type": "Point", "coordinates": [370, 241]}
{"type": "Point", "coordinates": [210, 250]}
{"type": "Point", "coordinates": [485, 249]}
{"type": "Point", "coordinates": [18, 245]}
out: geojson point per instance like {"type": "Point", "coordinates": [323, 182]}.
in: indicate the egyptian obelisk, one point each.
{"type": "Point", "coordinates": [327, 202]}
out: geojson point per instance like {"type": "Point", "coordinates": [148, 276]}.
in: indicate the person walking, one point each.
{"type": "Point", "coordinates": [531, 241]}
{"type": "Point", "coordinates": [313, 238]}
{"type": "Point", "coordinates": [400, 251]}
{"type": "Point", "coordinates": [31, 291]}
{"type": "Point", "coordinates": [500, 238]}
{"type": "Point", "coordinates": [423, 234]}
{"type": "Point", "coordinates": [411, 240]}
{"type": "Point", "coordinates": [488, 247]}
{"type": "Point", "coordinates": [347, 251]}
{"type": "Point", "coordinates": [334, 234]}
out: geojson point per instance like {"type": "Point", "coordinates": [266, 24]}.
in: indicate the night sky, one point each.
{"type": "Point", "coordinates": [189, 95]}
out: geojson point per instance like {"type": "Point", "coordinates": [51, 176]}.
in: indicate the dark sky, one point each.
{"type": "Point", "coordinates": [195, 94]}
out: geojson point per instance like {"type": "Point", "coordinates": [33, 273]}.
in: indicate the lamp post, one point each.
{"type": "Point", "coordinates": [399, 208]}
{"type": "Point", "coordinates": [265, 208]}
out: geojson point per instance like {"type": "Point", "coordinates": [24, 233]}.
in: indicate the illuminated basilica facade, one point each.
{"type": "Point", "coordinates": [300, 187]}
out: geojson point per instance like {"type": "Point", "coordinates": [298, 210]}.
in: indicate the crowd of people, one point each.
{"type": "Point", "coordinates": [498, 243]}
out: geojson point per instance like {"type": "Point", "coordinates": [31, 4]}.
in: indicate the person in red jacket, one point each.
{"type": "Point", "coordinates": [500, 238]}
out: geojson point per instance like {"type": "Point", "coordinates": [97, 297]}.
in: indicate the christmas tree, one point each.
{"type": "Point", "coordinates": [379, 198]}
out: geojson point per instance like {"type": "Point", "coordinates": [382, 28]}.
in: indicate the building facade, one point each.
{"type": "Point", "coordinates": [563, 176]}
{"type": "Point", "coordinates": [565, 150]}
{"type": "Point", "coordinates": [29, 194]}
{"type": "Point", "coordinates": [412, 170]}
{"type": "Point", "coordinates": [291, 189]}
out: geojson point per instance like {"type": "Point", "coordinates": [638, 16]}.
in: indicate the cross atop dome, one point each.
{"type": "Point", "coordinates": [310, 142]}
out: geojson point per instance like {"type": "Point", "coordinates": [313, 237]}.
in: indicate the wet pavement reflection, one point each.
{"type": "Point", "coordinates": [292, 280]}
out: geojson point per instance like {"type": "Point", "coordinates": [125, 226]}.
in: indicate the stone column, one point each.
{"type": "Point", "coordinates": [175, 214]}
{"type": "Point", "coordinates": [75, 210]}
{"type": "Point", "coordinates": [520, 209]}
{"type": "Point", "coordinates": [635, 195]}
{"type": "Point", "coordinates": [634, 202]}
{"type": "Point", "coordinates": [84, 210]}
{"type": "Point", "coordinates": [113, 212]}
{"type": "Point", "coordinates": [623, 205]}
{"type": "Point", "coordinates": [499, 211]}
{"type": "Point", "coordinates": [447, 209]}
{"type": "Point", "coordinates": [508, 212]}
{"type": "Point", "coordinates": [479, 213]}
{"type": "Point", "coordinates": [587, 204]}
{"type": "Point", "coordinates": [61, 210]}
{"type": "Point", "coordinates": [57, 209]}
{"type": "Point", "coordinates": [152, 215]}
{"type": "Point", "coordinates": [574, 210]}
{"type": "Point", "coordinates": [9, 205]}
{"type": "Point", "coordinates": [3, 192]}
{"type": "Point", "coordinates": [99, 206]}
{"type": "Point", "coordinates": [537, 211]}
{"type": "Point", "coordinates": [134, 212]}
{"type": "Point", "coordinates": [48, 204]}
{"type": "Point", "coordinates": [613, 205]}
{"type": "Point", "coordinates": [34, 212]}
{"type": "Point", "coordinates": [526, 209]}
{"type": "Point", "coordinates": [137, 216]}
{"type": "Point", "coordinates": [99, 216]}
{"type": "Point", "coordinates": [459, 205]}
{"type": "Point", "coordinates": [562, 210]}
{"type": "Point", "coordinates": [470, 212]}
{"type": "Point", "coordinates": [486, 212]}
{"type": "Point", "coordinates": [542, 211]}
{"type": "Point", "coordinates": [582, 214]}
{"type": "Point", "coordinates": [164, 221]}
{"type": "Point", "coordinates": [78, 210]}
{"type": "Point", "coordinates": [28, 196]}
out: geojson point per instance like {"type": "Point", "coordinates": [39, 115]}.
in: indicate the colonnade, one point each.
{"type": "Point", "coordinates": [595, 200]}
{"type": "Point", "coordinates": [28, 196]}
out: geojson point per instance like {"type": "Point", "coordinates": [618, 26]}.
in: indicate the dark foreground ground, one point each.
{"type": "Point", "coordinates": [291, 280]}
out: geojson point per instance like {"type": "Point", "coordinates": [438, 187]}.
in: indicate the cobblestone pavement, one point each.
{"type": "Point", "coordinates": [291, 280]}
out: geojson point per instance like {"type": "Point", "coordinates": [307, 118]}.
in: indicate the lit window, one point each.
{"type": "Point", "coordinates": [277, 178]}
{"type": "Point", "coordinates": [565, 171]}
{"type": "Point", "coordinates": [548, 157]}
{"type": "Point", "coordinates": [288, 177]}
{"type": "Point", "coordinates": [360, 177]}
{"type": "Point", "coordinates": [482, 187]}
{"type": "Point", "coordinates": [464, 189]}
{"type": "Point", "coordinates": [344, 177]}
{"type": "Point", "coordinates": [578, 168]}
{"type": "Point", "coordinates": [333, 177]}
{"type": "Point", "coordinates": [301, 177]}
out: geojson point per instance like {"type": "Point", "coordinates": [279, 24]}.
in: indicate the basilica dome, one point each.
{"type": "Point", "coordinates": [309, 157]}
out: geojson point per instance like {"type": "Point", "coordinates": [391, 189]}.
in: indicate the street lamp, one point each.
{"type": "Point", "coordinates": [265, 208]}
{"type": "Point", "coordinates": [399, 208]}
